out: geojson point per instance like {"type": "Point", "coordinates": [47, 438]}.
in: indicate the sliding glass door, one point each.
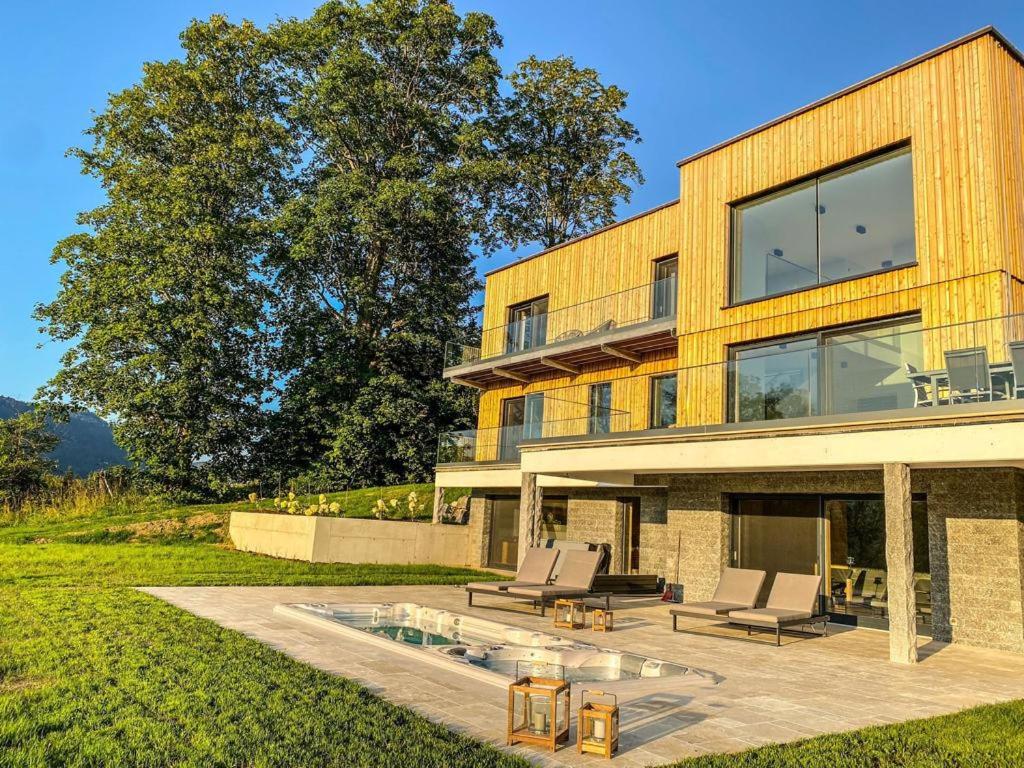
{"type": "Point", "coordinates": [841, 538]}
{"type": "Point", "coordinates": [848, 370]}
{"type": "Point", "coordinates": [503, 546]}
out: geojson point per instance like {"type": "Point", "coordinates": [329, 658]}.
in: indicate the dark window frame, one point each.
{"type": "Point", "coordinates": [734, 206]}
{"type": "Point", "coordinates": [819, 334]}
{"type": "Point", "coordinates": [655, 265]}
{"type": "Point", "coordinates": [510, 311]}
{"type": "Point", "coordinates": [654, 379]}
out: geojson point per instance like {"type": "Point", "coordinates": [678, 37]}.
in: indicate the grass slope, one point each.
{"type": "Point", "coordinates": [114, 677]}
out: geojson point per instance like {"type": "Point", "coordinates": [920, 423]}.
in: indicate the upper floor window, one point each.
{"type": "Point", "coordinates": [854, 221]}
{"type": "Point", "coordinates": [527, 325]}
{"type": "Point", "coordinates": [600, 409]}
{"type": "Point", "coordinates": [665, 288]}
{"type": "Point", "coordinates": [663, 401]}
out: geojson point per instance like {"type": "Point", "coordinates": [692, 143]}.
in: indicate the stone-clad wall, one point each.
{"type": "Point", "coordinates": [976, 543]}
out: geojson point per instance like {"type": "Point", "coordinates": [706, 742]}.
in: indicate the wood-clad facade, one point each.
{"type": "Point", "coordinates": [959, 112]}
{"type": "Point", "coordinates": [849, 304]}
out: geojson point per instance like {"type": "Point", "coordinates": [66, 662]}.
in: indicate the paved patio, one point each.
{"type": "Point", "coordinates": [763, 694]}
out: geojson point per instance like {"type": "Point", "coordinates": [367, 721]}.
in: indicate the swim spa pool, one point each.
{"type": "Point", "coordinates": [485, 649]}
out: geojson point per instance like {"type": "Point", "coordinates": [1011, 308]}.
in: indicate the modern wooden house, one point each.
{"type": "Point", "coordinates": [753, 374]}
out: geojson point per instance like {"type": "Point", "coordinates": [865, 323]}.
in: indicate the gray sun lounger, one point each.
{"type": "Point", "coordinates": [793, 602]}
{"type": "Point", "coordinates": [535, 571]}
{"type": "Point", "coordinates": [737, 589]}
{"type": "Point", "coordinates": [575, 580]}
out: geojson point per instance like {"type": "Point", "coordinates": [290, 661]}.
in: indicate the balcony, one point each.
{"type": "Point", "coordinates": [618, 327]}
{"type": "Point", "coordinates": [501, 444]}
{"type": "Point", "coordinates": [885, 374]}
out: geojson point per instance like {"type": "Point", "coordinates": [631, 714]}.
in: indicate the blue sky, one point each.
{"type": "Point", "coordinates": [697, 73]}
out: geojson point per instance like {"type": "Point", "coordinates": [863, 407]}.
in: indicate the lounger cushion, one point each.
{"type": "Point", "coordinates": [709, 608]}
{"type": "Point", "coordinates": [579, 567]}
{"type": "Point", "coordinates": [498, 587]}
{"type": "Point", "coordinates": [794, 592]}
{"type": "Point", "coordinates": [549, 591]}
{"type": "Point", "coordinates": [740, 586]}
{"type": "Point", "coordinates": [537, 565]}
{"type": "Point", "coordinates": [767, 615]}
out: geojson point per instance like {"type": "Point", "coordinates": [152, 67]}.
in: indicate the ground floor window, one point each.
{"type": "Point", "coordinates": [554, 517]}
{"type": "Point", "coordinates": [503, 545]}
{"type": "Point", "coordinates": [841, 538]}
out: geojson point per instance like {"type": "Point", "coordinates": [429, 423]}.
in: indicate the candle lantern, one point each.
{"type": "Point", "coordinates": [602, 620]}
{"type": "Point", "coordinates": [597, 727]}
{"type": "Point", "coordinates": [538, 711]}
{"type": "Point", "coordinates": [570, 614]}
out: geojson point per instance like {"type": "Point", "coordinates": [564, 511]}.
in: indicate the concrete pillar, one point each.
{"type": "Point", "coordinates": [530, 500]}
{"type": "Point", "coordinates": [438, 501]}
{"type": "Point", "coordinates": [899, 561]}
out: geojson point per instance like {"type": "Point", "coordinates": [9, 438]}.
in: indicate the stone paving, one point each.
{"type": "Point", "coordinates": [761, 694]}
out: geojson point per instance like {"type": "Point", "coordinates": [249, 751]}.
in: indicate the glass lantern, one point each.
{"type": "Point", "coordinates": [602, 620]}
{"type": "Point", "coordinates": [538, 711]}
{"type": "Point", "coordinates": [597, 726]}
{"type": "Point", "coordinates": [570, 614]}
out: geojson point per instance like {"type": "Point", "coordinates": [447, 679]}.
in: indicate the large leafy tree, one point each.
{"type": "Point", "coordinates": [164, 294]}
{"type": "Point", "coordinates": [388, 98]}
{"type": "Point", "coordinates": [563, 139]}
{"type": "Point", "coordinates": [24, 444]}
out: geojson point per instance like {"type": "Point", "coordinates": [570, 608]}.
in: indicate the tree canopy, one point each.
{"type": "Point", "coordinates": [24, 443]}
{"type": "Point", "coordinates": [288, 238]}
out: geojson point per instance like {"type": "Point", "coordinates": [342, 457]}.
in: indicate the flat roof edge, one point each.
{"type": "Point", "coordinates": [578, 238]}
{"type": "Point", "coordinates": [968, 38]}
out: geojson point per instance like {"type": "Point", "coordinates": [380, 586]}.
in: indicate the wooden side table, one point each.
{"type": "Point", "coordinates": [570, 614]}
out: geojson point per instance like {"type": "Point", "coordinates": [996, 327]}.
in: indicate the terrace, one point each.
{"type": "Point", "coordinates": [760, 694]}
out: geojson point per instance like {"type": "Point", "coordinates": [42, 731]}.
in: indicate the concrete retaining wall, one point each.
{"type": "Point", "coordinates": [349, 540]}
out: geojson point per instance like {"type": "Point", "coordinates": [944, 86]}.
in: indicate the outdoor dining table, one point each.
{"type": "Point", "coordinates": [1001, 374]}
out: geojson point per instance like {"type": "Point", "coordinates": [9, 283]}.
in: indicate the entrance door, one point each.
{"type": "Point", "coordinates": [630, 535]}
{"type": "Point", "coordinates": [503, 547]}
{"type": "Point", "coordinates": [776, 534]}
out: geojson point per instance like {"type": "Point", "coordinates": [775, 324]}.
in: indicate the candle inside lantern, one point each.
{"type": "Point", "coordinates": [539, 714]}
{"type": "Point", "coordinates": [598, 729]}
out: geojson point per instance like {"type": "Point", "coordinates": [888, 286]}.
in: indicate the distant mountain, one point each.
{"type": "Point", "coordinates": [86, 441]}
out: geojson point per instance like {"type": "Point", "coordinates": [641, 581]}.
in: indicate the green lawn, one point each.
{"type": "Point", "coordinates": [93, 673]}
{"type": "Point", "coordinates": [983, 737]}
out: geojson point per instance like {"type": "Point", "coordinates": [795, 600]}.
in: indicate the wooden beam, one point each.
{"type": "Point", "coordinates": [466, 382]}
{"type": "Point", "coordinates": [438, 502]}
{"type": "Point", "coordinates": [504, 372]}
{"type": "Point", "coordinates": [899, 563]}
{"type": "Point", "coordinates": [608, 349]}
{"type": "Point", "coordinates": [551, 363]}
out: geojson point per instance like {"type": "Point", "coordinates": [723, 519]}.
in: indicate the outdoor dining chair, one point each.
{"type": "Point", "coordinates": [970, 379]}
{"type": "Point", "coordinates": [1017, 361]}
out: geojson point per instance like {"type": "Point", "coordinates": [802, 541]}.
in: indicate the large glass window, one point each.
{"type": "Point", "coordinates": [600, 421]}
{"type": "Point", "coordinates": [663, 401]}
{"type": "Point", "coordinates": [851, 370]}
{"type": "Point", "coordinates": [851, 222]}
{"type": "Point", "coordinates": [527, 325]}
{"type": "Point", "coordinates": [665, 288]}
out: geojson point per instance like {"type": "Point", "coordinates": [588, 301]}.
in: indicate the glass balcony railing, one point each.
{"type": "Point", "coordinates": [532, 330]}
{"type": "Point", "coordinates": [502, 443]}
{"type": "Point", "coordinates": [891, 366]}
